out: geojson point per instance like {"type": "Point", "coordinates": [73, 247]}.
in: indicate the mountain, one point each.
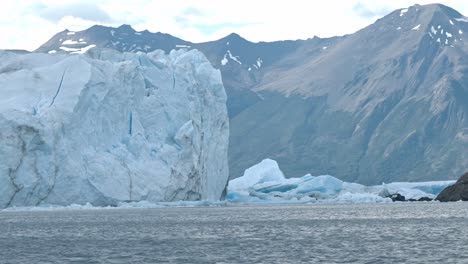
{"type": "Point", "coordinates": [123, 38]}
{"type": "Point", "coordinates": [106, 127]}
{"type": "Point", "coordinates": [387, 103]}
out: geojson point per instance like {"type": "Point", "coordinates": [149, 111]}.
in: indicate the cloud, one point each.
{"type": "Point", "coordinates": [192, 11]}
{"type": "Point", "coordinates": [85, 11]}
{"type": "Point", "coordinates": [364, 11]}
{"type": "Point", "coordinates": [189, 16]}
{"type": "Point", "coordinates": [26, 24]}
{"type": "Point", "coordinates": [208, 29]}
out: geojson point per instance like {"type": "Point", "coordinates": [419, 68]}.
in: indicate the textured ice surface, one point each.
{"type": "Point", "coordinates": [264, 172]}
{"type": "Point", "coordinates": [106, 127]}
{"type": "Point", "coordinates": [265, 182]}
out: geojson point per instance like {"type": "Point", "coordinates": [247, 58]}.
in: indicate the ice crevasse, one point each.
{"type": "Point", "coordinates": [106, 127]}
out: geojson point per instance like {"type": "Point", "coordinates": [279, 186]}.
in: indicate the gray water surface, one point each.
{"type": "Point", "coordinates": [326, 233]}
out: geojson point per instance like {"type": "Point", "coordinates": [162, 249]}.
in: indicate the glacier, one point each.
{"type": "Point", "coordinates": [106, 127]}
{"type": "Point", "coordinates": [265, 183]}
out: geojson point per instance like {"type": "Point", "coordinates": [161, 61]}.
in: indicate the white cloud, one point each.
{"type": "Point", "coordinates": [24, 24]}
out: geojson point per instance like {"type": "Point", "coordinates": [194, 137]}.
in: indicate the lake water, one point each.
{"type": "Point", "coordinates": [326, 233]}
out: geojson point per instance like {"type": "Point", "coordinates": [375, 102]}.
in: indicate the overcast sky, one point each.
{"type": "Point", "coordinates": [26, 24]}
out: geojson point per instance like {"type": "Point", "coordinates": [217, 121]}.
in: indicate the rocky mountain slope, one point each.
{"type": "Point", "coordinates": [387, 103]}
{"type": "Point", "coordinates": [107, 127]}
{"type": "Point", "coordinates": [455, 192]}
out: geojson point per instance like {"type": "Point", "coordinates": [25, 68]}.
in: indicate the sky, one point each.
{"type": "Point", "coordinates": [26, 24]}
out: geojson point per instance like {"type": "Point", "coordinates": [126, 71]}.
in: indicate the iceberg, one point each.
{"type": "Point", "coordinates": [267, 171]}
{"type": "Point", "coordinates": [106, 127]}
{"type": "Point", "coordinates": [266, 183]}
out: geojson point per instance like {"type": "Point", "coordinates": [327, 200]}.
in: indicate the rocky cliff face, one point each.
{"type": "Point", "coordinates": [456, 192]}
{"type": "Point", "coordinates": [106, 127]}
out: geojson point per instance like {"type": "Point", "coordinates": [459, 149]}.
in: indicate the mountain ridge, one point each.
{"type": "Point", "coordinates": [385, 103]}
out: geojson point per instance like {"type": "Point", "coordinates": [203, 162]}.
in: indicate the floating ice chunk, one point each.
{"type": "Point", "coordinates": [432, 187]}
{"type": "Point", "coordinates": [265, 171]}
{"type": "Point", "coordinates": [460, 31]}
{"type": "Point", "coordinates": [416, 27]}
{"type": "Point", "coordinates": [71, 33]}
{"type": "Point", "coordinates": [433, 30]}
{"type": "Point", "coordinates": [259, 62]}
{"type": "Point", "coordinates": [449, 35]}
{"type": "Point", "coordinates": [451, 22]}
{"type": "Point", "coordinates": [321, 184]}
{"type": "Point", "coordinates": [348, 197]}
{"type": "Point", "coordinates": [52, 51]}
{"type": "Point", "coordinates": [266, 183]}
{"type": "Point", "coordinates": [324, 48]}
{"type": "Point", "coordinates": [398, 28]}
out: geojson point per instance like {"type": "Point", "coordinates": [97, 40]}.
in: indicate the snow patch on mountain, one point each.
{"type": "Point", "coordinates": [462, 19]}
{"type": "Point", "coordinates": [232, 57]}
{"type": "Point", "coordinates": [83, 50]}
{"type": "Point", "coordinates": [179, 46]}
{"type": "Point", "coordinates": [72, 42]}
{"type": "Point", "coordinates": [259, 62]}
{"type": "Point", "coordinates": [228, 55]}
{"type": "Point", "coordinates": [403, 12]}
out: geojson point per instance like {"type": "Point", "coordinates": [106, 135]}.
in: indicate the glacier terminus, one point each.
{"type": "Point", "coordinates": [106, 127]}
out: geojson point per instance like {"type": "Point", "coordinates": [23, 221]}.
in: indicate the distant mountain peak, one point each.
{"type": "Point", "coordinates": [123, 38]}
{"type": "Point", "coordinates": [234, 37]}
{"type": "Point", "coordinates": [126, 27]}
{"type": "Point", "coordinates": [434, 23]}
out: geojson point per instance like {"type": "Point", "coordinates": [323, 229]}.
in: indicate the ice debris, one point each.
{"type": "Point", "coordinates": [266, 183]}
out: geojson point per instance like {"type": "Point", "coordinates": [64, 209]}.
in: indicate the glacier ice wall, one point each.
{"type": "Point", "coordinates": [106, 127]}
